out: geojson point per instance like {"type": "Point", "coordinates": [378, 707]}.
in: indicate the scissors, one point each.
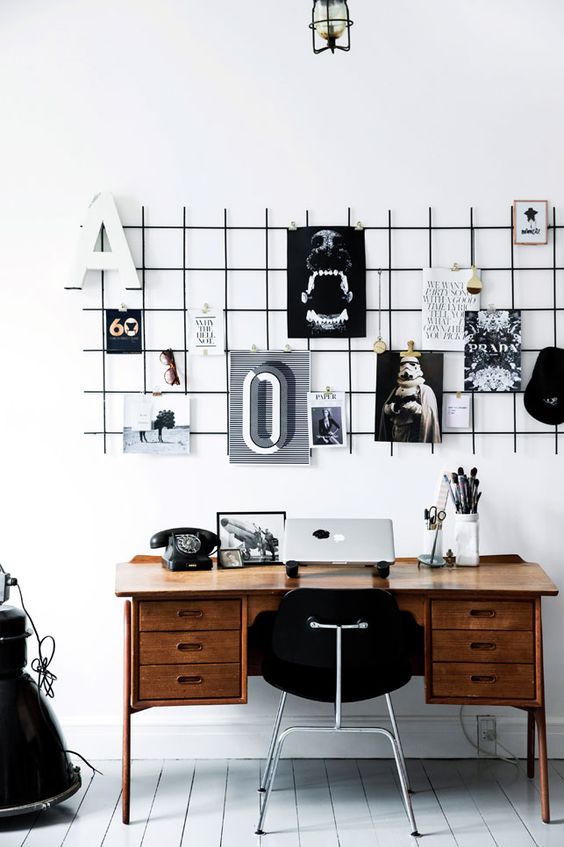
{"type": "Point", "coordinates": [435, 517]}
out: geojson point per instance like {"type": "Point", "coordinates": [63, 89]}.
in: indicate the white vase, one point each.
{"type": "Point", "coordinates": [467, 540]}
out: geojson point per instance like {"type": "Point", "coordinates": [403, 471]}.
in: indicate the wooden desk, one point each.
{"type": "Point", "coordinates": [186, 635]}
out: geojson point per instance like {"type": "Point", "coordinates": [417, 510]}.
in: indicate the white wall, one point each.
{"type": "Point", "coordinates": [221, 104]}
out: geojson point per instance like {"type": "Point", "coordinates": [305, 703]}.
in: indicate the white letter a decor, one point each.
{"type": "Point", "coordinates": [116, 256]}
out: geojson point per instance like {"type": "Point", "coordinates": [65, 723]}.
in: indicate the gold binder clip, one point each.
{"type": "Point", "coordinates": [287, 348]}
{"type": "Point", "coordinates": [359, 226]}
{"type": "Point", "coordinates": [254, 348]}
{"type": "Point", "coordinates": [411, 351]}
{"type": "Point", "coordinates": [205, 308]}
{"type": "Point", "coordinates": [292, 226]}
{"type": "Point", "coordinates": [455, 267]}
{"type": "Point", "coordinates": [122, 307]}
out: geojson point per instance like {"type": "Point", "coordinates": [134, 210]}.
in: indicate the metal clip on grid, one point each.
{"type": "Point", "coordinates": [122, 307]}
{"type": "Point", "coordinates": [292, 226]}
{"type": "Point", "coordinates": [205, 308]}
{"type": "Point", "coordinates": [359, 226]}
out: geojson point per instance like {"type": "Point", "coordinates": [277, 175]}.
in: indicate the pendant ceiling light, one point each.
{"type": "Point", "coordinates": [329, 22]}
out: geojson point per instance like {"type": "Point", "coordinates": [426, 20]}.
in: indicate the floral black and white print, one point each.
{"type": "Point", "coordinates": [492, 350]}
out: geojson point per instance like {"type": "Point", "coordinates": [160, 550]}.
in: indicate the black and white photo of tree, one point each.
{"type": "Point", "coordinates": [150, 427]}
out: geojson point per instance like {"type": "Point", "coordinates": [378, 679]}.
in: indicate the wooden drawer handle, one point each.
{"type": "Point", "coordinates": [482, 613]}
{"type": "Point", "coordinates": [189, 648]}
{"type": "Point", "coordinates": [189, 680]}
{"type": "Point", "coordinates": [190, 613]}
{"type": "Point", "coordinates": [483, 645]}
{"type": "Point", "coordinates": [488, 679]}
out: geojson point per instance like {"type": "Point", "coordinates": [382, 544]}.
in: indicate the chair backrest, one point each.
{"type": "Point", "coordinates": [381, 643]}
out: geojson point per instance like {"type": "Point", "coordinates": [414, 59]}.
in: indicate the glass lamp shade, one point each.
{"type": "Point", "coordinates": [330, 18]}
{"type": "Point", "coordinates": [330, 22]}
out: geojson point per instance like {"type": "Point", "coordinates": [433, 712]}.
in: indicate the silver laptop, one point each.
{"type": "Point", "coordinates": [339, 541]}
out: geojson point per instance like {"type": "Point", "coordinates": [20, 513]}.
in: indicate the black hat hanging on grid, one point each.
{"type": "Point", "coordinates": [544, 395]}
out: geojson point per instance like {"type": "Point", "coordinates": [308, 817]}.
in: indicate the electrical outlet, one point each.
{"type": "Point", "coordinates": [486, 731]}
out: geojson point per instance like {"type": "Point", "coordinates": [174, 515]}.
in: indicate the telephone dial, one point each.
{"type": "Point", "coordinates": [187, 548]}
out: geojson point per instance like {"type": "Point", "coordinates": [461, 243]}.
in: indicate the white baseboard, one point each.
{"type": "Point", "coordinates": [422, 736]}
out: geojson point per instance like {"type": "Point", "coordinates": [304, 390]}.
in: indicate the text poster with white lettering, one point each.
{"type": "Point", "coordinates": [492, 353]}
{"type": "Point", "coordinates": [445, 303]}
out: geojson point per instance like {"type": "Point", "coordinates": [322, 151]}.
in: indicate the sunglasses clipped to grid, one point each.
{"type": "Point", "coordinates": [171, 374]}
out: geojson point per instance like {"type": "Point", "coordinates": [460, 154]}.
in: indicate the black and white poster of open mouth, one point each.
{"type": "Point", "coordinates": [326, 282]}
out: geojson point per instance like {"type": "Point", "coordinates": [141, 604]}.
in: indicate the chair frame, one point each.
{"type": "Point", "coordinates": [278, 738]}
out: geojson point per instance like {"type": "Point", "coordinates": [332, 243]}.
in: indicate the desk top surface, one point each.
{"type": "Point", "coordinates": [144, 577]}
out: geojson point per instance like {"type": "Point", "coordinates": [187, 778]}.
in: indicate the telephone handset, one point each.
{"type": "Point", "coordinates": [187, 548]}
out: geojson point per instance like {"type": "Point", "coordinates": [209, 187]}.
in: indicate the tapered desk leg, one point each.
{"type": "Point", "coordinates": [543, 763]}
{"type": "Point", "coordinates": [530, 743]}
{"type": "Point", "coordinates": [126, 748]}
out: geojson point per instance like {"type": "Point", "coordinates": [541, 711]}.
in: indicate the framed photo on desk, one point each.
{"type": "Point", "coordinates": [258, 535]}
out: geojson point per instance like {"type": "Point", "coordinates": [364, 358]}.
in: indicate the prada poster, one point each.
{"type": "Point", "coordinates": [268, 412]}
{"type": "Point", "coordinates": [326, 282]}
{"type": "Point", "coordinates": [409, 392]}
{"type": "Point", "coordinates": [492, 352]}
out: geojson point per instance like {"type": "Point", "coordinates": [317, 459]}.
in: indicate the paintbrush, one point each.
{"type": "Point", "coordinates": [452, 491]}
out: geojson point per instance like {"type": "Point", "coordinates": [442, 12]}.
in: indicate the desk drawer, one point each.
{"type": "Point", "coordinates": [485, 681]}
{"type": "Point", "coordinates": [482, 614]}
{"type": "Point", "coordinates": [189, 682]}
{"type": "Point", "coordinates": [181, 615]}
{"type": "Point", "coordinates": [166, 648]}
{"type": "Point", "coordinates": [485, 645]}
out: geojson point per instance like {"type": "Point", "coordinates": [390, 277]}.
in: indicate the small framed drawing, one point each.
{"type": "Point", "coordinates": [230, 557]}
{"type": "Point", "coordinates": [258, 536]}
{"type": "Point", "coordinates": [530, 221]}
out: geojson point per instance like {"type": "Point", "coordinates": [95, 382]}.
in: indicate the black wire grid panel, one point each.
{"type": "Point", "coordinates": [395, 340]}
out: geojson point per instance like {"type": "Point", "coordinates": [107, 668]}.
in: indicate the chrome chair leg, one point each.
{"type": "Point", "coordinates": [277, 721]}
{"type": "Point", "coordinates": [404, 787]}
{"type": "Point", "coordinates": [274, 767]}
{"type": "Point", "coordinates": [278, 750]}
{"type": "Point", "coordinates": [398, 739]}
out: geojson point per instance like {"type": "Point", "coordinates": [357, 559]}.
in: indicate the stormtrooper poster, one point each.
{"type": "Point", "coordinates": [326, 283]}
{"type": "Point", "coordinates": [409, 398]}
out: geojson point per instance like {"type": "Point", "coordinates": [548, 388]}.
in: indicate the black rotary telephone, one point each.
{"type": "Point", "coordinates": [187, 548]}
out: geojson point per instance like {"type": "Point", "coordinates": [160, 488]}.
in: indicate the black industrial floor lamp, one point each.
{"type": "Point", "coordinates": [35, 770]}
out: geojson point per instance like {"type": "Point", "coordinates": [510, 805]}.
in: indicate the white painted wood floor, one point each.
{"type": "Point", "coordinates": [318, 803]}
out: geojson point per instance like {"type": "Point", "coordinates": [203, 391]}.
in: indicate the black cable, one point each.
{"type": "Point", "coordinates": [45, 677]}
{"type": "Point", "coordinates": [86, 762]}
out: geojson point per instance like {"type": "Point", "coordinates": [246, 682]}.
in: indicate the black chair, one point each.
{"type": "Point", "coordinates": [336, 646]}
